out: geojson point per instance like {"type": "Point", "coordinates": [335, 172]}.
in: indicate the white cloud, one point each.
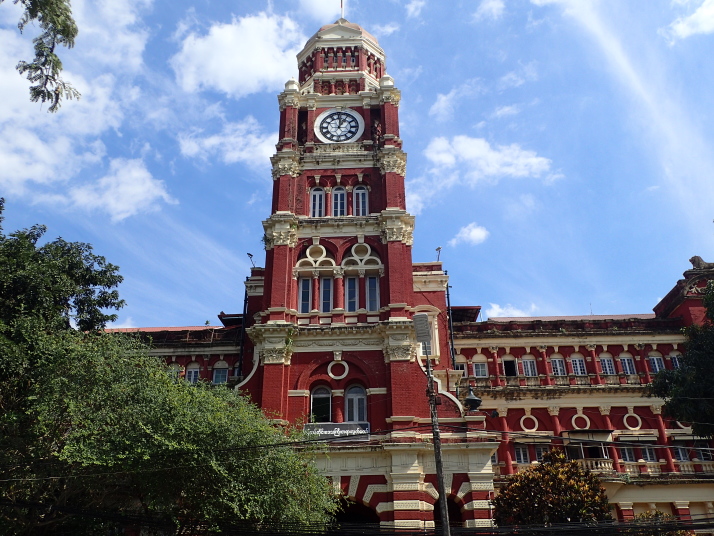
{"type": "Point", "coordinates": [480, 160]}
{"type": "Point", "coordinates": [243, 141]}
{"type": "Point", "coordinates": [124, 323]}
{"type": "Point", "coordinates": [674, 139]}
{"type": "Point", "coordinates": [699, 22]}
{"type": "Point", "coordinates": [470, 234]}
{"type": "Point", "coordinates": [414, 7]}
{"type": "Point", "coordinates": [445, 104]}
{"type": "Point", "coordinates": [321, 10]}
{"type": "Point", "coordinates": [503, 111]}
{"type": "Point", "coordinates": [383, 30]}
{"type": "Point", "coordinates": [128, 189]}
{"type": "Point", "coordinates": [495, 311]}
{"type": "Point", "coordinates": [415, 202]}
{"type": "Point", "coordinates": [28, 160]}
{"type": "Point", "coordinates": [490, 9]}
{"type": "Point", "coordinates": [273, 41]}
{"type": "Point", "coordinates": [525, 205]}
{"type": "Point", "coordinates": [525, 73]}
{"type": "Point", "coordinates": [111, 32]}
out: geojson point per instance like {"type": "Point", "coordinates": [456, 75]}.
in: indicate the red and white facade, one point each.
{"type": "Point", "coordinates": [328, 336]}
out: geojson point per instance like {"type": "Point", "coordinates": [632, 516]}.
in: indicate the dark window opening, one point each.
{"type": "Point", "coordinates": [509, 368]}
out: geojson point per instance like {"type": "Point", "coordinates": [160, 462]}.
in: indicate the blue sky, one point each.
{"type": "Point", "coordinates": [561, 152]}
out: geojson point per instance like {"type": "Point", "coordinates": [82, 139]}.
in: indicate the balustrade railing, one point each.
{"type": "Point", "coordinates": [637, 468]}
{"type": "Point", "coordinates": [597, 465]}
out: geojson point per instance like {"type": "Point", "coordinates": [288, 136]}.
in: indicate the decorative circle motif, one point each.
{"type": "Point", "coordinates": [628, 425]}
{"type": "Point", "coordinates": [338, 126]}
{"type": "Point", "coordinates": [527, 428]}
{"type": "Point", "coordinates": [338, 376]}
{"type": "Point", "coordinates": [574, 421]}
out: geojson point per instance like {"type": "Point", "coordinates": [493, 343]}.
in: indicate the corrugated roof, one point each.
{"type": "Point", "coordinates": [167, 328]}
{"type": "Point", "coordinates": [644, 316]}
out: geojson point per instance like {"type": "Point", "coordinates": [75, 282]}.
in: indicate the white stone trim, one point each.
{"type": "Point", "coordinates": [476, 505]}
{"type": "Point", "coordinates": [371, 490]}
{"type": "Point", "coordinates": [354, 483]}
{"type": "Point", "coordinates": [473, 523]}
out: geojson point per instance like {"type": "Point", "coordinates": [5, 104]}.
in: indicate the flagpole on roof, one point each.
{"type": "Point", "coordinates": [342, 9]}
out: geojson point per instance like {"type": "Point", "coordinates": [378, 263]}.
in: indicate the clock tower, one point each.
{"type": "Point", "coordinates": [332, 337]}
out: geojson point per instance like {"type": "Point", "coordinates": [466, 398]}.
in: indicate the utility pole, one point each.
{"type": "Point", "coordinates": [423, 332]}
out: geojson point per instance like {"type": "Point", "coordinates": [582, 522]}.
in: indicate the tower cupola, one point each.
{"type": "Point", "coordinates": [341, 58]}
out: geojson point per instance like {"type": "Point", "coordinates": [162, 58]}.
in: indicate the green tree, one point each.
{"type": "Point", "coordinates": [688, 390]}
{"type": "Point", "coordinates": [57, 28]}
{"type": "Point", "coordinates": [656, 524]}
{"type": "Point", "coordinates": [556, 490]}
{"type": "Point", "coordinates": [91, 423]}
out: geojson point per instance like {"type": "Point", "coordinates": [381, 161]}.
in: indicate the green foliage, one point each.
{"type": "Point", "coordinates": [655, 524]}
{"type": "Point", "coordinates": [688, 391]}
{"type": "Point", "coordinates": [57, 28]}
{"type": "Point", "coordinates": [89, 421]}
{"type": "Point", "coordinates": [58, 283]}
{"type": "Point", "coordinates": [554, 491]}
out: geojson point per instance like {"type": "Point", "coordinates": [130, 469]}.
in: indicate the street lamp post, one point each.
{"type": "Point", "coordinates": [423, 334]}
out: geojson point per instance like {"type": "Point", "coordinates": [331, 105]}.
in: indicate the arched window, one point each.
{"type": "Point", "coordinates": [480, 366]}
{"type": "Point", "coordinates": [627, 363]}
{"type": "Point", "coordinates": [175, 370]}
{"type": "Point", "coordinates": [578, 362]}
{"type": "Point", "coordinates": [510, 366]}
{"type": "Point", "coordinates": [315, 271]}
{"type": "Point", "coordinates": [304, 295]}
{"type": "Point", "coordinates": [607, 364]}
{"type": "Point", "coordinates": [656, 362]}
{"type": "Point", "coordinates": [339, 201]}
{"type": "Point", "coordinates": [317, 203]}
{"type": "Point", "coordinates": [325, 294]}
{"type": "Point", "coordinates": [359, 201]}
{"type": "Point", "coordinates": [529, 365]}
{"type": "Point", "coordinates": [372, 290]}
{"type": "Point", "coordinates": [321, 405]}
{"type": "Point", "coordinates": [676, 358]}
{"type": "Point", "coordinates": [220, 372]}
{"type": "Point", "coordinates": [356, 404]}
{"type": "Point", "coordinates": [193, 372]}
{"type": "Point", "coordinates": [558, 364]}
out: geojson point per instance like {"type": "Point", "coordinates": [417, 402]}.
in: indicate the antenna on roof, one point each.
{"type": "Point", "coordinates": [438, 253]}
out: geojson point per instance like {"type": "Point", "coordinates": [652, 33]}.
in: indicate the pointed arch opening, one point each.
{"type": "Point", "coordinates": [353, 513]}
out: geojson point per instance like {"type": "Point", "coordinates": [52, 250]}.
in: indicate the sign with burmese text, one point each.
{"type": "Point", "coordinates": [345, 431]}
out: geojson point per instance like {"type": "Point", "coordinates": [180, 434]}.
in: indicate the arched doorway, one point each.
{"type": "Point", "coordinates": [355, 512]}
{"type": "Point", "coordinates": [454, 508]}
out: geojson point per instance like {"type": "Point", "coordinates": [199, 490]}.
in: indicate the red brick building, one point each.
{"type": "Point", "coordinates": [326, 336]}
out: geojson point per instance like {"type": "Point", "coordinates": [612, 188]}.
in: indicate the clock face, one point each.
{"type": "Point", "coordinates": [336, 126]}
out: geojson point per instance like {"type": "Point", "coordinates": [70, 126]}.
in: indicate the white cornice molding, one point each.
{"type": "Point", "coordinates": [551, 340]}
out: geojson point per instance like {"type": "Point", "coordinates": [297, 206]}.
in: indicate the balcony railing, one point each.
{"type": "Point", "coordinates": [605, 467]}
{"type": "Point", "coordinates": [639, 468]}
{"type": "Point", "coordinates": [597, 465]}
